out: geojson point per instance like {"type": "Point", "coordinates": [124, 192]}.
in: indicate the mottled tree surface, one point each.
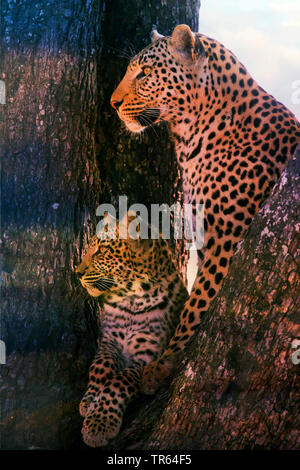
{"type": "Point", "coordinates": [50, 187]}
{"type": "Point", "coordinates": [64, 152]}
{"type": "Point", "coordinates": [238, 387]}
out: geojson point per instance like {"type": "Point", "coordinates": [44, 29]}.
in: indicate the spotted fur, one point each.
{"type": "Point", "coordinates": [142, 295]}
{"type": "Point", "coordinates": [232, 141]}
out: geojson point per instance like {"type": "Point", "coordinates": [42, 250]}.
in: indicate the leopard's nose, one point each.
{"type": "Point", "coordinates": [116, 104]}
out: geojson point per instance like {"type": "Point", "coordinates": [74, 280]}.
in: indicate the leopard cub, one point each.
{"type": "Point", "coordinates": [143, 295]}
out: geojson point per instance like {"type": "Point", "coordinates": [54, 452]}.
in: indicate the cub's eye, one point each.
{"type": "Point", "coordinates": [145, 71]}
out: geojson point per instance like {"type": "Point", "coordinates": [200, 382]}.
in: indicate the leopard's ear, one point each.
{"type": "Point", "coordinates": [155, 35]}
{"type": "Point", "coordinates": [185, 45]}
{"type": "Point", "coordinates": [130, 226]}
{"type": "Point", "coordinates": [128, 218]}
{"type": "Point", "coordinates": [106, 228]}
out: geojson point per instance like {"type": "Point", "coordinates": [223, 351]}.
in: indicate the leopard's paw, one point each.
{"type": "Point", "coordinates": [155, 375]}
{"type": "Point", "coordinates": [100, 426]}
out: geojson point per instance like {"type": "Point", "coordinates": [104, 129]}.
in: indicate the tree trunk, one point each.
{"type": "Point", "coordinates": [239, 386]}
{"type": "Point", "coordinates": [64, 153]}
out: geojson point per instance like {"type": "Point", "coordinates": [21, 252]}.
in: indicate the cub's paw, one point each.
{"type": "Point", "coordinates": [155, 376]}
{"type": "Point", "coordinates": [100, 426]}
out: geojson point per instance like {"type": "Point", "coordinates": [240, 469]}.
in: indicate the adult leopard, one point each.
{"type": "Point", "coordinates": [232, 140]}
{"type": "Point", "coordinates": [143, 295]}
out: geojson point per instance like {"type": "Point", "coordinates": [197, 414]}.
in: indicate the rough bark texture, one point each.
{"type": "Point", "coordinates": [50, 186]}
{"type": "Point", "coordinates": [64, 153]}
{"type": "Point", "coordinates": [239, 388]}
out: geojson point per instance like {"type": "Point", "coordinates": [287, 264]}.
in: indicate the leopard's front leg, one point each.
{"type": "Point", "coordinates": [107, 363]}
{"type": "Point", "coordinates": [209, 279]}
{"type": "Point", "coordinates": [105, 414]}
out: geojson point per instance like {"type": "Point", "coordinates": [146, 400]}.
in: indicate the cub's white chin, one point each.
{"type": "Point", "coordinates": [134, 127]}
{"type": "Point", "coordinates": [93, 292]}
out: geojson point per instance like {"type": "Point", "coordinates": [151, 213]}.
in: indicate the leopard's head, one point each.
{"type": "Point", "coordinates": [118, 261]}
{"type": "Point", "coordinates": [159, 81]}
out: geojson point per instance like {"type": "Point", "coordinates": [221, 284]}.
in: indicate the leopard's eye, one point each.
{"type": "Point", "coordinates": [97, 250]}
{"type": "Point", "coordinates": [145, 71]}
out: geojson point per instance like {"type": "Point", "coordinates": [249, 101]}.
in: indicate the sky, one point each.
{"type": "Point", "coordinates": [265, 36]}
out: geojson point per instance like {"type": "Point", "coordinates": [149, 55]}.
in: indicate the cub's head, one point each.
{"type": "Point", "coordinates": [159, 82]}
{"type": "Point", "coordinates": [122, 265]}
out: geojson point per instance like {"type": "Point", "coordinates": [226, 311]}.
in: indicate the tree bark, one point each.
{"type": "Point", "coordinates": [238, 386]}
{"type": "Point", "coordinates": [50, 187]}
{"type": "Point", "coordinates": [63, 154]}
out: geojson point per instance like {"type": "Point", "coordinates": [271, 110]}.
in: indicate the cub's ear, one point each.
{"type": "Point", "coordinates": [155, 35]}
{"type": "Point", "coordinates": [127, 219]}
{"type": "Point", "coordinates": [185, 46]}
{"type": "Point", "coordinates": [130, 226]}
